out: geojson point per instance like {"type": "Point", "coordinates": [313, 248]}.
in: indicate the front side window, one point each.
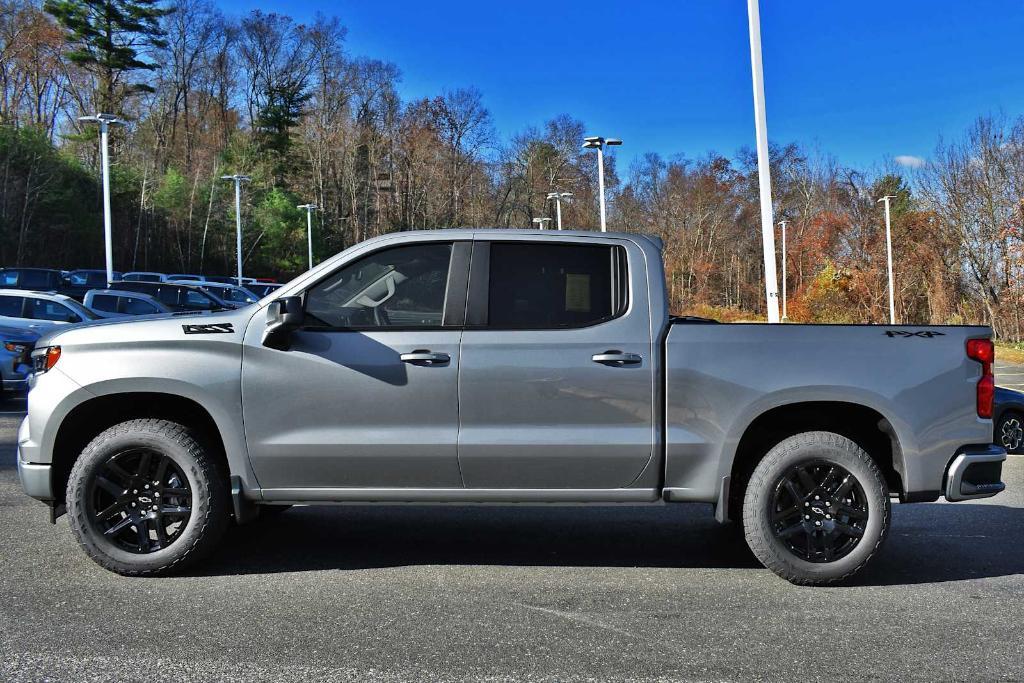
{"type": "Point", "coordinates": [198, 300]}
{"type": "Point", "coordinates": [43, 309]}
{"type": "Point", "coordinates": [134, 306]}
{"type": "Point", "coordinates": [393, 288]}
{"type": "Point", "coordinates": [552, 286]}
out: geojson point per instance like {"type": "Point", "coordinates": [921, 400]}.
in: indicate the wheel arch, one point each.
{"type": "Point", "coordinates": [862, 424]}
{"type": "Point", "coordinates": [91, 417]}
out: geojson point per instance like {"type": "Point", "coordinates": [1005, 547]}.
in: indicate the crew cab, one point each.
{"type": "Point", "coordinates": [502, 366]}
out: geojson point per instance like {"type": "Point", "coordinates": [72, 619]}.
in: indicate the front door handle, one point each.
{"type": "Point", "coordinates": [617, 358]}
{"type": "Point", "coordinates": [425, 357]}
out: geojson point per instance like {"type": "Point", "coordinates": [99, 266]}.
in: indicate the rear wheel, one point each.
{"type": "Point", "coordinates": [145, 498]}
{"type": "Point", "coordinates": [1010, 432]}
{"type": "Point", "coordinates": [816, 509]}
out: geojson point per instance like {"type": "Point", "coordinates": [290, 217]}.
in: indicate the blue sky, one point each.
{"type": "Point", "coordinates": [862, 81]}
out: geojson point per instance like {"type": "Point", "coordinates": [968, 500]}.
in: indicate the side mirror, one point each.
{"type": "Point", "coordinates": [284, 315]}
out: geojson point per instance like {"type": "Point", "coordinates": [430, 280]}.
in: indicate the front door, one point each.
{"type": "Point", "coordinates": [367, 393]}
{"type": "Point", "coordinates": [557, 385]}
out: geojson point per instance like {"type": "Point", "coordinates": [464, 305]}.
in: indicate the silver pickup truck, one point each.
{"type": "Point", "coordinates": [501, 366]}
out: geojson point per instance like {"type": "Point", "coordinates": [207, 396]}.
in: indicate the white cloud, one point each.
{"type": "Point", "coordinates": [909, 161]}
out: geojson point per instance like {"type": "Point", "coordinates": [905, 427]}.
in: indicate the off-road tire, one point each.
{"type": "Point", "coordinates": [758, 503]}
{"type": "Point", "coordinates": [210, 500]}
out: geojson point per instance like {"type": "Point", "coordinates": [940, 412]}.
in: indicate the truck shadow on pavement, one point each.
{"type": "Point", "coordinates": [928, 542]}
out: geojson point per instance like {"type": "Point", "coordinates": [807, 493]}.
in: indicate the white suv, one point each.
{"type": "Point", "coordinates": [40, 310]}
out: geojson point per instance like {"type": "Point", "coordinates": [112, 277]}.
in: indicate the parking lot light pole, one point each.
{"type": "Point", "coordinates": [785, 318]}
{"type": "Point", "coordinates": [771, 285]}
{"type": "Point", "coordinates": [105, 121]}
{"type": "Point", "coordinates": [541, 222]}
{"type": "Point", "coordinates": [558, 197]}
{"type": "Point", "coordinates": [310, 208]}
{"type": "Point", "coordinates": [599, 143]}
{"type": "Point", "coordinates": [888, 252]}
{"type": "Point", "coordinates": [239, 179]}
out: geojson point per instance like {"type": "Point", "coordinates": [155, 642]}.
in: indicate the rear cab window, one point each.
{"type": "Point", "coordinates": [540, 286]}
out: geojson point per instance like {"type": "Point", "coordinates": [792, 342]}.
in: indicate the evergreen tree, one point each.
{"type": "Point", "coordinates": [106, 38]}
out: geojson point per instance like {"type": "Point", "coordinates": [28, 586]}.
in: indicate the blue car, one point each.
{"type": "Point", "coordinates": [1009, 420]}
{"type": "Point", "coordinates": [14, 358]}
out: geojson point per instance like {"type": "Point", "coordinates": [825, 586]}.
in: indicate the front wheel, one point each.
{"type": "Point", "coordinates": [816, 509]}
{"type": "Point", "coordinates": [145, 498]}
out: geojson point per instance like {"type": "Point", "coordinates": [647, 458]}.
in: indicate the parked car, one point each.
{"type": "Point", "coordinates": [233, 295]}
{"type": "Point", "coordinates": [174, 277]}
{"type": "Point", "coordinates": [143, 276]}
{"type": "Point", "coordinates": [175, 295]}
{"type": "Point", "coordinates": [261, 289]}
{"type": "Point", "coordinates": [113, 303]}
{"type": "Point", "coordinates": [1009, 420]}
{"type": "Point", "coordinates": [15, 363]}
{"type": "Point", "coordinates": [36, 279]}
{"type": "Point", "coordinates": [78, 282]}
{"type": "Point", "coordinates": [40, 310]}
{"type": "Point", "coordinates": [501, 366]}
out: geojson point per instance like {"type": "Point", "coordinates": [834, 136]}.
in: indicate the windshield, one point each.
{"type": "Point", "coordinates": [81, 310]}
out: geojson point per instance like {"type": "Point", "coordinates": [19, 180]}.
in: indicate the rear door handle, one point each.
{"type": "Point", "coordinates": [617, 358]}
{"type": "Point", "coordinates": [425, 357]}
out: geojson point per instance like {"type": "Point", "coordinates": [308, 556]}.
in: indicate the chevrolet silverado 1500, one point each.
{"type": "Point", "coordinates": [501, 366]}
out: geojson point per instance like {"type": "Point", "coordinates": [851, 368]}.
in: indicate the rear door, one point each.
{"type": "Point", "coordinates": [557, 386]}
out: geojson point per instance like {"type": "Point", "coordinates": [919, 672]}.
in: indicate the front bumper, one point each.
{"type": "Point", "coordinates": [34, 477]}
{"type": "Point", "coordinates": [975, 472]}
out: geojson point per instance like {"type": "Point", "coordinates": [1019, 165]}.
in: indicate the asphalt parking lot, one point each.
{"type": "Point", "coordinates": [503, 593]}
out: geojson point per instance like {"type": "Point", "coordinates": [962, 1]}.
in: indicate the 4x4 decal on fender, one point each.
{"type": "Point", "coordinates": [212, 328]}
{"type": "Point", "coordinates": [927, 334]}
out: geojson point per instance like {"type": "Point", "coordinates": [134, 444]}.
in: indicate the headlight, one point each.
{"type": "Point", "coordinates": [45, 358]}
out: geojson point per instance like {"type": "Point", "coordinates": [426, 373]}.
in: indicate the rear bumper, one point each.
{"type": "Point", "coordinates": [975, 472]}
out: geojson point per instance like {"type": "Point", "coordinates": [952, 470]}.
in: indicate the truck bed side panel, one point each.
{"type": "Point", "coordinates": [719, 378]}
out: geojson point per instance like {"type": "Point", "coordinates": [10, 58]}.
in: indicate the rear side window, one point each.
{"type": "Point", "coordinates": [10, 306]}
{"type": "Point", "coordinates": [105, 302]}
{"type": "Point", "coordinates": [168, 295]}
{"type": "Point", "coordinates": [552, 286]}
{"type": "Point", "coordinates": [138, 306]}
{"type": "Point", "coordinates": [37, 279]}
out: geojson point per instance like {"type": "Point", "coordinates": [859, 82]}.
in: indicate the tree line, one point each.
{"type": "Point", "coordinates": [206, 95]}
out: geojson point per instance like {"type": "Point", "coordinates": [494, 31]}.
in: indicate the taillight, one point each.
{"type": "Point", "coordinates": [984, 351]}
{"type": "Point", "coordinates": [45, 358]}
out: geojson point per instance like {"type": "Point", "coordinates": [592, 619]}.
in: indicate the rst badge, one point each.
{"type": "Point", "coordinates": [211, 328]}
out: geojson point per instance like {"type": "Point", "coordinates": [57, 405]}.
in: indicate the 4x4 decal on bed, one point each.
{"type": "Point", "coordinates": [212, 328]}
{"type": "Point", "coordinates": [927, 334]}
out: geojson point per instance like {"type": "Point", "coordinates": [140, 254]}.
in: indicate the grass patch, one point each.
{"type": "Point", "coordinates": [1012, 352]}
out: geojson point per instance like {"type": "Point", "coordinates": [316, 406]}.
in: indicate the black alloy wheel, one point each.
{"type": "Point", "coordinates": [140, 500]}
{"type": "Point", "coordinates": [819, 511]}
